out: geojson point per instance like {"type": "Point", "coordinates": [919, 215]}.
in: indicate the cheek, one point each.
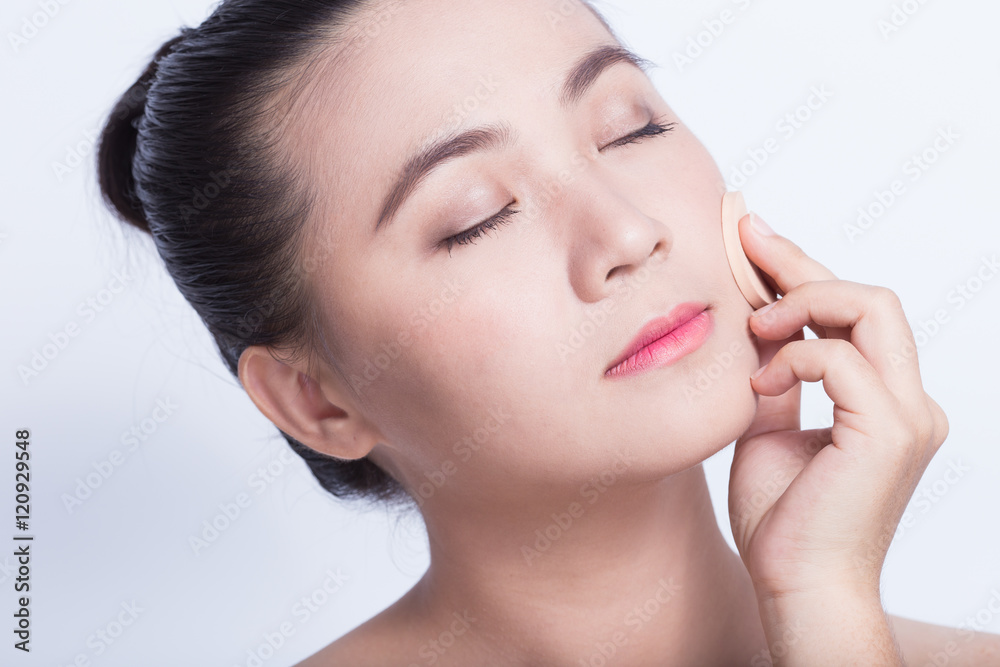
{"type": "Point", "coordinates": [491, 352]}
{"type": "Point", "coordinates": [495, 339]}
{"type": "Point", "coordinates": [424, 358]}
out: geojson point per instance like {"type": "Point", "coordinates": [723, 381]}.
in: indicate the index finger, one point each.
{"type": "Point", "coordinates": [786, 263]}
{"type": "Point", "coordinates": [783, 262]}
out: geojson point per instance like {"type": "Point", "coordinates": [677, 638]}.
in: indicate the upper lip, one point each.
{"type": "Point", "coordinates": [658, 328]}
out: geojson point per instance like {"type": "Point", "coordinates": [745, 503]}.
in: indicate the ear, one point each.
{"type": "Point", "coordinates": [311, 410]}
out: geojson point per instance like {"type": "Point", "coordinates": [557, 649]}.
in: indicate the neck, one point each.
{"type": "Point", "coordinates": [632, 572]}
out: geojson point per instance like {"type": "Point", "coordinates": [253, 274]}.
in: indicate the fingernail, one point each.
{"type": "Point", "coordinates": [760, 226]}
{"type": "Point", "coordinates": [758, 372]}
{"type": "Point", "coordinates": [765, 309]}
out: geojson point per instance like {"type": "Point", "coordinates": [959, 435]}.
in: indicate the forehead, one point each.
{"type": "Point", "coordinates": [411, 71]}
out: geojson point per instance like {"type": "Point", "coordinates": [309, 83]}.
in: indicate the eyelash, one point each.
{"type": "Point", "coordinates": [653, 129]}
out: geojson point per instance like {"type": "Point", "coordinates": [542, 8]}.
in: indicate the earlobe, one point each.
{"type": "Point", "coordinates": [303, 407]}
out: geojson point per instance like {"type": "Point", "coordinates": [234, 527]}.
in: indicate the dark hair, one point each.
{"type": "Point", "coordinates": [189, 154]}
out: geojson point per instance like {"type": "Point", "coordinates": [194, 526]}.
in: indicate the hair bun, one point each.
{"type": "Point", "coordinates": [118, 143]}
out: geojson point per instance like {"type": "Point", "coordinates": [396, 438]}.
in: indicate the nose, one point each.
{"type": "Point", "coordinates": [610, 239]}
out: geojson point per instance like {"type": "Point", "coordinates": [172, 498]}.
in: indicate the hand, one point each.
{"type": "Point", "coordinates": [813, 511]}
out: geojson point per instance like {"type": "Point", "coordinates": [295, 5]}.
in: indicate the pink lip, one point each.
{"type": "Point", "coordinates": [665, 340]}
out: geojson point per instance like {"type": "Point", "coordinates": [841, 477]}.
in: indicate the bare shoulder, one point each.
{"type": "Point", "coordinates": [382, 640]}
{"type": "Point", "coordinates": [929, 644]}
{"type": "Point", "coordinates": [405, 633]}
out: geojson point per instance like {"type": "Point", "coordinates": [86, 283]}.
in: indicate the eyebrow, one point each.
{"type": "Point", "coordinates": [500, 135]}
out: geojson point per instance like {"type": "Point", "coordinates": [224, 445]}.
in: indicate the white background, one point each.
{"type": "Point", "coordinates": [129, 541]}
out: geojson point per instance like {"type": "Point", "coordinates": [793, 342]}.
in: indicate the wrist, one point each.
{"type": "Point", "coordinates": [829, 626]}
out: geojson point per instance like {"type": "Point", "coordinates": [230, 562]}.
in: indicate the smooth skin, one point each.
{"type": "Point", "coordinates": [625, 231]}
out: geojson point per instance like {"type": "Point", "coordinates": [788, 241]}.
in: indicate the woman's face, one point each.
{"type": "Point", "coordinates": [484, 367]}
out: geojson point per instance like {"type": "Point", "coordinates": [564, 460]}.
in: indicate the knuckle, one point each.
{"type": "Point", "coordinates": [923, 428]}
{"type": "Point", "coordinates": [901, 436]}
{"type": "Point", "coordinates": [944, 429]}
{"type": "Point", "coordinates": [791, 350]}
{"type": "Point", "coordinates": [940, 424]}
{"type": "Point", "coordinates": [793, 248]}
{"type": "Point", "coordinates": [886, 299]}
{"type": "Point", "coordinates": [843, 351]}
{"type": "Point", "coordinates": [929, 428]}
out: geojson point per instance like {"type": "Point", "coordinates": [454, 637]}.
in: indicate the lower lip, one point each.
{"type": "Point", "coordinates": [686, 338]}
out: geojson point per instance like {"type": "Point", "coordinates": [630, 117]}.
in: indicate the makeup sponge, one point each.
{"type": "Point", "coordinates": [748, 276]}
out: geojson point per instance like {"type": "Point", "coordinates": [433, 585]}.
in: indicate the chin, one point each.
{"type": "Point", "coordinates": [716, 420]}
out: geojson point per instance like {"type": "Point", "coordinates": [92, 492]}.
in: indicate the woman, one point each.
{"type": "Point", "coordinates": [429, 238]}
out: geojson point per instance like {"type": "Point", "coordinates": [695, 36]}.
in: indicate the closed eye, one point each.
{"type": "Point", "coordinates": [654, 129]}
{"type": "Point", "coordinates": [469, 235]}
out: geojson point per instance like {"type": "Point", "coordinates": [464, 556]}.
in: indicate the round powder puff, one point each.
{"type": "Point", "coordinates": [747, 276]}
